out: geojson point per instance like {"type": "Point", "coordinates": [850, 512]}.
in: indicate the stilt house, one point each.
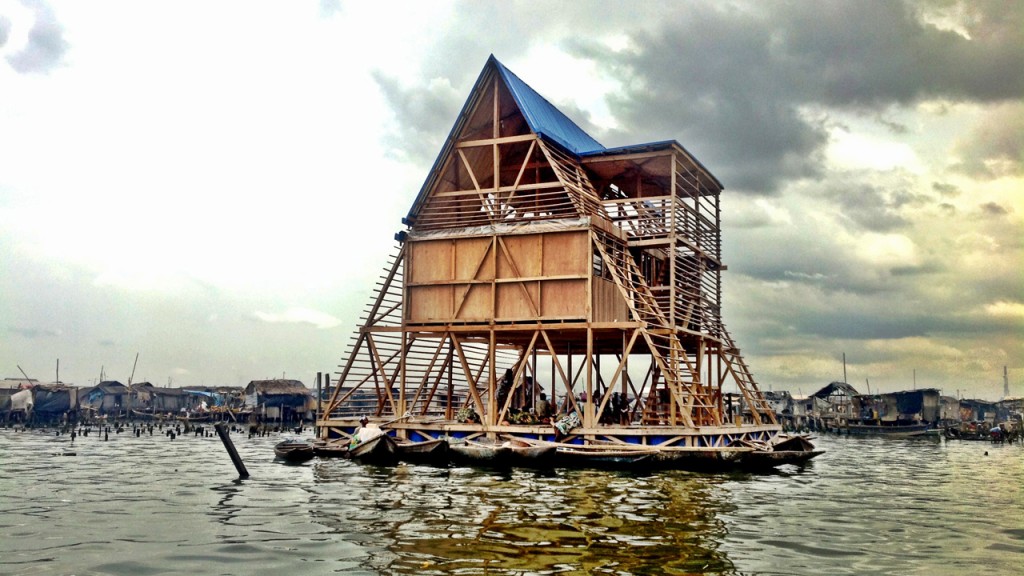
{"type": "Point", "coordinates": [535, 260]}
{"type": "Point", "coordinates": [278, 399]}
{"type": "Point", "coordinates": [107, 397]}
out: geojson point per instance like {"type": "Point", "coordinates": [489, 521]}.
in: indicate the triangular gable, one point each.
{"type": "Point", "coordinates": [535, 116]}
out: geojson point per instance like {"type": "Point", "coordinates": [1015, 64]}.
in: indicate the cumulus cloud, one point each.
{"type": "Point", "coordinates": [316, 318]}
{"type": "Point", "coordinates": [423, 114]}
{"type": "Point", "coordinates": [330, 8]}
{"type": "Point", "coordinates": [994, 209]}
{"type": "Point", "coordinates": [738, 82]}
{"type": "Point", "coordinates": [945, 189]}
{"type": "Point", "coordinates": [45, 46]}
{"type": "Point", "coordinates": [5, 29]}
{"type": "Point", "coordinates": [995, 147]}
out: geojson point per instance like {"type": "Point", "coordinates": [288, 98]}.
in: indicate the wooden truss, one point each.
{"type": "Point", "coordinates": [523, 259]}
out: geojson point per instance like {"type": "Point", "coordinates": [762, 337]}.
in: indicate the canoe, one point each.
{"type": "Point", "coordinates": [697, 460]}
{"type": "Point", "coordinates": [326, 450]}
{"type": "Point", "coordinates": [530, 455]}
{"type": "Point", "coordinates": [502, 453]}
{"type": "Point", "coordinates": [293, 451]}
{"type": "Point", "coordinates": [766, 459]}
{"type": "Point", "coordinates": [892, 431]}
{"type": "Point", "coordinates": [610, 459]}
{"type": "Point", "coordinates": [195, 418]}
{"type": "Point", "coordinates": [792, 450]}
{"type": "Point", "coordinates": [141, 415]}
{"type": "Point", "coordinates": [479, 453]}
{"type": "Point", "coordinates": [762, 459]}
{"type": "Point", "coordinates": [377, 450]}
{"type": "Point", "coordinates": [426, 452]}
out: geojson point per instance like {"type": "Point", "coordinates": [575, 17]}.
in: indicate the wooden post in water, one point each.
{"type": "Point", "coordinates": [319, 395]}
{"type": "Point", "coordinates": [230, 447]}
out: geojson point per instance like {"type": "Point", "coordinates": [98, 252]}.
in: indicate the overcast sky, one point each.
{"type": "Point", "coordinates": [215, 186]}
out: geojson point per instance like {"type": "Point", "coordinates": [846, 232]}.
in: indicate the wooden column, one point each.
{"type": "Point", "coordinates": [588, 417]}
{"type": "Point", "coordinates": [401, 371]}
{"type": "Point", "coordinates": [492, 389]}
{"type": "Point", "coordinates": [449, 413]}
{"type": "Point", "coordinates": [673, 202]}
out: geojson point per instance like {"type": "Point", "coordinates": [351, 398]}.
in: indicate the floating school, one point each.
{"type": "Point", "coordinates": [550, 291]}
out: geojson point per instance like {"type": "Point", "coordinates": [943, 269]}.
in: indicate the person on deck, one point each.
{"type": "Point", "coordinates": [366, 431]}
{"type": "Point", "coordinates": [543, 407]}
{"type": "Point", "coordinates": [504, 388]}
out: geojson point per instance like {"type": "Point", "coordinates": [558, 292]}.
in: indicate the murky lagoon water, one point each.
{"type": "Point", "coordinates": [152, 505]}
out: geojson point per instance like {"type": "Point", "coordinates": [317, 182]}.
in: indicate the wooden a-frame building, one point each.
{"type": "Point", "coordinates": [537, 260]}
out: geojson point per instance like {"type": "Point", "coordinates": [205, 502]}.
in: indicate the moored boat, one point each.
{"type": "Point", "coordinates": [793, 450]}
{"type": "Point", "coordinates": [479, 453]}
{"type": "Point", "coordinates": [377, 450]}
{"type": "Point", "coordinates": [894, 430]}
{"type": "Point", "coordinates": [433, 451]}
{"type": "Point", "coordinates": [293, 451]}
{"type": "Point", "coordinates": [330, 450]}
{"type": "Point", "coordinates": [528, 455]}
{"type": "Point", "coordinates": [604, 458]}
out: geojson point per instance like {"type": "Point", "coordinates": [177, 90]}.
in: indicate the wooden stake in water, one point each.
{"type": "Point", "coordinates": [222, 431]}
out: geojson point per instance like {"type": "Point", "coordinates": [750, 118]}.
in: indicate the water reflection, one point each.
{"type": "Point", "coordinates": [224, 510]}
{"type": "Point", "coordinates": [427, 520]}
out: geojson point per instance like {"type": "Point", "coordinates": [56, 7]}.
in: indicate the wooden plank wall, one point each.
{"type": "Point", "coordinates": [541, 276]}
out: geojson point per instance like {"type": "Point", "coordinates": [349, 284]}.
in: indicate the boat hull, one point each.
{"type": "Point", "coordinates": [433, 452]}
{"type": "Point", "coordinates": [479, 454]}
{"type": "Point", "coordinates": [294, 452]}
{"type": "Point", "coordinates": [377, 450]}
{"type": "Point", "coordinates": [617, 446]}
{"type": "Point", "coordinates": [903, 431]}
{"type": "Point", "coordinates": [324, 450]}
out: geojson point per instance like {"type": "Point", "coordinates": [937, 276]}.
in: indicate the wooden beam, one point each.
{"type": "Point", "coordinates": [470, 381]}
{"type": "Point", "coordinates": [561, 373]}
{"type": "Point", "coordinates": [496, 140]}
{"type": "Point", "coordinates": [618, 371]}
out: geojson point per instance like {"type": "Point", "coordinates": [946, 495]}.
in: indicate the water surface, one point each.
{"type": "Point", "coordinates": [152, 505]}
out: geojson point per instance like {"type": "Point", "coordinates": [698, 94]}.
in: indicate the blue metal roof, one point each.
{"type": "Point", "coordinates": [544, 119]}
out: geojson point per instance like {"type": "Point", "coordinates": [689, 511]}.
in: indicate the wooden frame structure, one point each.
{"type": "Point", "coordinates": [535, 259]}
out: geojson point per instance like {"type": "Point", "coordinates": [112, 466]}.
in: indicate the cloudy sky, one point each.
{"type": "Point", "coordinates": [215, 186]}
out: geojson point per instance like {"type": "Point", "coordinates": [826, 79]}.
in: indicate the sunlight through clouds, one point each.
{"type": "Point", "coordinates": [859, 151]}
{"type": "Point", "coordinates": [1004, 309]}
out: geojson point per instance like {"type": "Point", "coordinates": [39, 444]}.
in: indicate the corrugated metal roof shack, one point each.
{"type": "Point", "coordinates": [284, 400]}
{"type": "Point", "coordinates": [907, 405]}
{"type": "Point", "coordinates": [52, 400]}
{"type": "Point", "coordinates": [149, 398]}
{"type": "Point", "coordinates": [106, 397]}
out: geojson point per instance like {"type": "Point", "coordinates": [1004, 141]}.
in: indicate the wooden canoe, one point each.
{"type": "Point", "coordinates": [479, 453]}
{"type": "Point", "coordinates": [327, 450]}
{"type": "Point", "coordinates": [377, 450]}
{"type": "Point", "coordinates": [426, 452]}
{"type": "Point", "coordinates": [293, 451]}
{"type": "Point", "coordinates": [579, 457]}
